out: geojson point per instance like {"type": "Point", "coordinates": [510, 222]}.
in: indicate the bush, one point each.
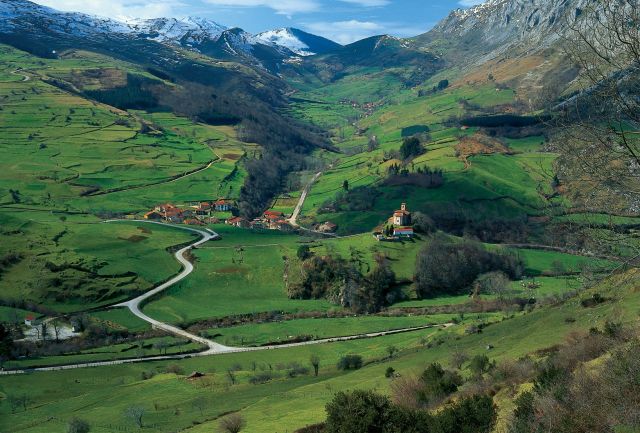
{"type": "Point", "coordinates": [475, 414]}
{"type": "Point", "coordinates": [175, 369]}
{"type": "Point", "coordinates": [479, 365]}
{"type": "Point", "coordinates": [233, 423]}
{"type": "Point", "coordinates": [295, 369]}
{"type": "Point", "coordinates": [77, 425]}
{"type": "Point", "coordinates": [438, 383]}
{"type": "Point", "coordinates": [350, 362]}
{"type": "Point", "coordinates": [261, 378]}
{"type": "Point", "coordinates": [368, 412]}
{"type": "Point", "coordinates": [595, 299]}
{"type": "Point", "coordinates": [304, 252]}
{"type": "Point", "coordinates": [357, 412]}
{"type": "Point", "coordinates": [390, 372]}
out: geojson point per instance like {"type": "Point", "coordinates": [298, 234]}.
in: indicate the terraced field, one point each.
{"type": "Point", "coordinates": [69, 161]}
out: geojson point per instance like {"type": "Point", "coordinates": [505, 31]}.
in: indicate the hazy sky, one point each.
{"type": "Point", "coordinates": [341, 20]}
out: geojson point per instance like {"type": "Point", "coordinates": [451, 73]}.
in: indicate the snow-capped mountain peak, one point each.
{"type": "Point", "coordinates": [189, 31]}
{"type": "Point", "coordinates": [297, 41]}
{"type": "Point", "coordinates": [268, 49]}
{"type": "Point", "coordinates": [284, 37]}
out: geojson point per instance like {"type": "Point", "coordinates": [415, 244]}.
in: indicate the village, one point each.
{"type": "Point", "coordinates": [216, 212]}
{"type": "Point", "coordinates": [224, 211]}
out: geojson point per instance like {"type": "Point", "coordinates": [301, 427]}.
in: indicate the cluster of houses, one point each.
{"type": "Point", "coordinates": [196, 214]}
{"type": "Point", "coordinates": [368, 107]}
{"type": "Point", "coordinates": [202, 213]}
{"type": "Point", "coordinates": [207, 212]}
{"type": "Point", "coordinates": [272, 220]}
{"type": "Point", "coordinates": [398, 226]}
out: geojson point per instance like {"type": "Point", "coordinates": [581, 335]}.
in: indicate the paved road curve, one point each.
{"type": "Point", "coordinates": [213, 348]}
{"type": "Point", "coordinates": [226, 350]}
{"type": "Point", "coordinates": [187, 267]}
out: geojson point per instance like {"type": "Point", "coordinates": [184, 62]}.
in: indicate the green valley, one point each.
{"type": "Point", "coordinates": [208, 230]}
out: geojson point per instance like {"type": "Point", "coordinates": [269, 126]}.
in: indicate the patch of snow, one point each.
{"type": "Point", "coordinates": [285, 38]}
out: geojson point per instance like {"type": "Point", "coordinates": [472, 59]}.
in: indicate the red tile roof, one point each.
{"type": "Point", "coordinates": [234, 220]}
{"type": "Point", "coordinates": [403, 230]}
{"type": "Point", "coordinates": [273, 212]}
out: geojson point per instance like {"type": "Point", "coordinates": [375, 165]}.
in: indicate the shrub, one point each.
{"type": "Point", "coordinates": [390, 372]}
{"type": "Point", "coordinates": [368, 412]}
{"type": "Point", "coordinates": [475, 414]}
{"type": "Point", "coordinates": [260, 378]}
{"type": "Point", "coordinates": [479, 365]}
{"type": "Point", "coordinates": [438, 382]}
{"type": "Point", "coordinates": [175, 369]}
{"type": "Point", "coordinates": [295, 369]}
{"type": "Point", "coordinates": [77, 425]}
{"type": "Point", "coordinates": [595, 299]}
{"type": "Point", "coordinates": [357, 412]}
{"type": "Point", "coordinates": [233, 423]}
{"type": "Point", "coordinates": [350, 362]}
{"type": "Point", "coordinates": [304, 252]}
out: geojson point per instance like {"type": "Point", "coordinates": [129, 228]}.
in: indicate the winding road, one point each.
{"type": "Point", "coordinates": [20, 73]}
{"type": "Point", "coordinates": [213, 348]}
{"type": "Point", "coordinates": [187, 267]}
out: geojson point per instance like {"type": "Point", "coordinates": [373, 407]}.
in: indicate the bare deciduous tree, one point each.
{"type": "Point", "coordinates": [56, 329]}
{"type": "Point", "coordinates": [599, 138]}
{"type": "Point", "coordinates": [233, 423]}
{"type": "Point", "coordinates": [135, 414]}
{"type": "Point", "coordinates": [314, 359]}
{"type": "Point", "coordinates": [200, 403]}
{"type": "Point", "coordinates": [458, 358]}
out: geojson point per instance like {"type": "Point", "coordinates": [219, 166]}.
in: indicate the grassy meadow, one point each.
{"type": "Point", "coordinates": [283, 404]}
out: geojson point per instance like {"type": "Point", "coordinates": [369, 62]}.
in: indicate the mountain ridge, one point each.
{"type": "Point", "coordinates": [198, 34]}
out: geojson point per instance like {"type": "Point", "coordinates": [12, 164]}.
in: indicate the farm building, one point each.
{"type": "Point", "coordinates": [272, 214]}
{"type": "Point", "coordinates": [153, 216]}
{"type": "Point", "coordinates": [222, 205]}
{"type": "Point", "coordinates": [283, 225]}
{"type": "Point", "coordinates": [327, 227]}
{"type": "Point", "coordinates": [257, 224]}
{"type": "Point", "coordinates": [406, 232]}
{"type": "Point", "coordinates": [30, 320]}
{"type": "Point", "coordinates": [238, 222]}
{"type": "Point", "coordinates": [202, 211]}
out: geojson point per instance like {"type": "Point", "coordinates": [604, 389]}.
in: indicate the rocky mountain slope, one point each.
{"type": "Point", "coordinates": [190, 31]}
{"type": "Point", "coordinates": [498, 26]}
{"type": "Point", "coordinates": [267, 49]}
